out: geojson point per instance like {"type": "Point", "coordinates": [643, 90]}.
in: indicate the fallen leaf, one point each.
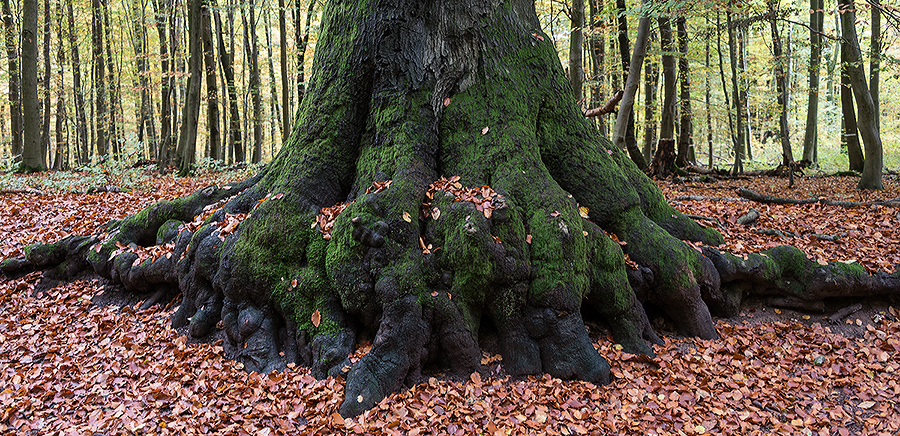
{"type": "Point", "coordinates": [316, 318]}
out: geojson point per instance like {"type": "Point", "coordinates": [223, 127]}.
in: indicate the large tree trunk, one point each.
{"type": "Point", "coordinates": [429, 198]}
{"type": "Point", "coordinates": [816, 27]}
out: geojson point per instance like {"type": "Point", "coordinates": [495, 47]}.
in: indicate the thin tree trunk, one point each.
{"type": "Point", "coordinates": [61, 158]}
{"type": "Point", "coordinates": [626, 105]}
{"type": "Point", "coordinates": [83, 144]}
{"type": "Point", "coordinates": [99, 78]}
{"type": "Point", "coordinates": [15, 101]}
{"type": "Point", "coordinates": [832, 61]}
{"type": "Point", "coordinates": [286, 108]}
{"type": "Point", "coordinates": [44, 88]}
{"type": "Point", "coordinates": [781, 86]}
{"type": "Point", "coordinates": [667, 117]}
{"type": "Point", "coordinates": [212, 89]}
{"type": "Point", "coordinates": [273, 87]}
{"type": "Point", "coordinates": [630, 139]}
{"type": "Point", "coordinates": [651, 81]}
{"type": "Point", "coordinates": [32, 159]}
{"type": "Point", "coordinates": [875, 61]}
{"type": "Point", "coordinates": [235, 143]}
{"type": "Point", "coordinates": [112, 86]}
{"type": "Point", "coordinates": [850, 138]}
{"type": "Point", "coordinates": [738, 166]}
{"type": "Point", "coordinates": [164, 147]}
{"type": "Point", "coordinates": [731, 129]}
{"type": "Point", "coordinates": [868, 129]}
{"type": "Point", "coordinates": [145, 111]}
{"type": "Point", "coordinates": [302, 36]}
{"type": "Point", "coordinates": [252, 48]}
{"type": "Point", "coordinates": [597, 60]}
{"type": "Point", "coordinates": [686, 124]}
{"type": "Point", "coordinates": [708, 100]}
{"type": "Point", "coordinates": [744, 99]}
{"type": "Point", "coordinates": [816, 24]}
{"type": "Point", "coordinates": [576, 44]}
{"type": "Point", "coordinates": [187, 135]}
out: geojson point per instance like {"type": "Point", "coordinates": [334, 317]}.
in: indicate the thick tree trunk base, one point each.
{"type": "Point", "coordinates": [433, 191]}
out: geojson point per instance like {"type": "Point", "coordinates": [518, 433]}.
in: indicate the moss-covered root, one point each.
{"type": "Point", "coordinates": [796, 281]}
{"type": "Point", "coordinates": [611, 295]}
{"type": "Point", "coordinates": [683, 277]}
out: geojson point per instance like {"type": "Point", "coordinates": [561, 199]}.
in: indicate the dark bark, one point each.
{"type": "Point", "coordinates": [850, 136]}
{"type": "Point", "coordinates": [187, 136]}
{"type": "Point", "coordinates": [725, 93]}
{"type": "Point", "coordinates": [61, 160]}
{"type": "Point", "coordinates": [112, 82]}
{"type": "Point", "coordinates": [145, 124]}
{"type": "Point", "coordinates": [212, 89]}
{"type": "Point", "coordinates": [32, 157]}
{"type": "Point", "coordinates": [866, 118]}
{"type": "Point", "coordinates": [44, 89]}
{"type": "Point", "coordinates": [624, 49]}
{"type": "Point", "coordinates": [875, 60]}
{"type": "Point", "coordinates": [667, 116]}
{"type": "Point", "coordinates": [598, 54]}
{"type": "Point", "coordinates": [686, 124]}
{"type": "Point", "coordinates": [385, 118]}
{"type": "Point", "coordinates": [15, 101]}
{"type": "Point", "coordinates": [302, 36]}
{"type": "Point", "coordinates": [816, 27]}
{"type": "Point", "coordinates": [708, 101]}
{"type": "Point", "coordinates": [273, 88]}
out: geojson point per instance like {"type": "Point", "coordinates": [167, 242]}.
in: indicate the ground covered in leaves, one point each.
{"type": "Point", "coordinates": [70, 366]}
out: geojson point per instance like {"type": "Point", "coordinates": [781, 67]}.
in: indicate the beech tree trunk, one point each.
{"type": "Point", "coordinates": [15, 101]}
{"type": "Point", "coordinates": [781, 86]}
{"type": "Point", "coordinates": [235, 139]}
{"type": "Point", "coordinates": [187, 137]}
{"type": "Point", "coordinates": [685, 125]}
{"type": "Point", "coordinates": [32, 158]}
{"type": "Point", "coordinates": [816, 27]}
{"type": "Point", "coordinates": [576, 46]}
{"type": "Point", "coordinates": [434, 195]}
{"type": "Point", "coordinates": [212, 88]}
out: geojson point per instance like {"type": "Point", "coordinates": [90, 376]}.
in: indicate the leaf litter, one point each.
{"type": "Point", "coordinates": [68, 366]}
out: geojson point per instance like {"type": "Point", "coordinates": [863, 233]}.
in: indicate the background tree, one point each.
{"type": "Point", "coordinates": [212, 89]}
{"type": "Point", "coordinates": [686, 123]}
{"type": "Point", "coordinates": [781, 86]}
{"type": "Point", "coordinates": [187, 137]}
{"type": "Point", "coordinates": [576, 45]}
{"type": "Point", "coordinates": [32, 158]}
{"type": "Point", "coordinates": [816, 27]}
{"type": "Point", "coordinates": [12, 55]}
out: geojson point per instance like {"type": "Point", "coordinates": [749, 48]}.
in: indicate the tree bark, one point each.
{"type": "Point", "coordinates": [598, 53]}
{"type": "Point", "coordinates": [686, 125]}
{"type": "Point", "coordinates": [576, 47]}
{"type": "Point", "coordinates": [61, 160]}
{"type": "Point", "coordinates": [866, 119]}
{"type": "Point", "coordinates": [165, 60]}
{"type": "Point", "coordinates": [112, 83]}
{"type": "Point", "coordinates": [187, 136]}
{"type": "Point", "coordinates": [816, 27]}
{"type": "Point", "coordinates": [626, 105]}
{"type": "Point", "coordinates": [235, 139]}
{"type": "Point", "coordinates": [44, 89]}
{"type": "Point", "coordinates": [101, 138]}
{"type": "Point", "coordinates": [212, 89]}
{"type": "Point", "coordinates": [875, 61]}
{"type": "Point", "coordinates": [850, 137]}
{"type": "Point", "coordinates": [738, 166]}
{"type": "Point", "coordinates": [286, 108]}
{"type": "Point", "coordinates": [354, 230]}
{"type": "Point", "coordinates": [15, 101]}
{"type": "Point", "coordinates": [667, 116]}
{"type": "Point", "coordinates": [708, 101]}
{"type": "Point", "coordinates": [251, 47]}
{"type": "Point", "coordinates": [302, 37]}
{"type": "Point", "coordinates": [651, 82]}
{"type": "Point", "coordinates": [781, 86]}
{"type": "Point", "coordinates": [32, 159]}
{"type": "Point", "coordinates": [624, 48]}
{"type": "Point", "coordinates": [273, 87]}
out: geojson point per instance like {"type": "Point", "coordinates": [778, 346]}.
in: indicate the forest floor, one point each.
{"type": "Point", "coordinates": [69, 365]}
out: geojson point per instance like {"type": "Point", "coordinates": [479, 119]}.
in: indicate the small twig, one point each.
{"type": "Point", "coordinates": [31, 191]}
{"type": "Point", "coordinates": [748, 218]}
{"type": "Point", "coordinates": [607, 108]}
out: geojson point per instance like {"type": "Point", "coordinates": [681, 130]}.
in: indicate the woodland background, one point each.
{"type": "Point", "coordinates": [113, 76]}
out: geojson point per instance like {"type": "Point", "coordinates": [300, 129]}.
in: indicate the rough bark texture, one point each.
{"type": "Point", "coordinates": [32, 159]}
{"type": "Point", "coordinates": [816, 26]}
{"type": "Point", "coordinates": [353, 232]}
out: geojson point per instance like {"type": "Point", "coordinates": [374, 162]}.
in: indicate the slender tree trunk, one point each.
{"type": "Point", "coordinates": [15, 102]}
{"type": "Point", "coordinates": [651, 82]}
{"type": "Point", "coordinates": [44, 89]}
{"type": "Point", "coordinates": [725, 93]}
{"type": "Point", "coordinates": [286, 109]}
{"type": "Point", "coordinates": [273, 87]}
{"type": "Point", "coordinates": [61, 158]}
{"type": "Point", "coordinates": [866, 123]}
{"type": "Point", "coordinates": [235, 143]}
{"type": "Point", "coordinates": [626, 105]}
{"type": "Point", "coordinates": [32, 159]}
{"type": "Point", "coordinates": [83, 144]}
{"type": "Point", "coordinates": [624, 49]}
{"type": "Point", "coordinates": [576, 46]}
{"type": "Point", "coordinates": [99, 78]}
{"type": "Point", "coordinates": [302, 35]}
{"type": "Point", "coordinates": [781, 86]}
{"type": "Point", "coordinates": [708, 100]}
{"type": "Point", "coordinates": [875, 61]}
{"type": "Point", "coordinates": [832, 60]}
{"type": "Point", "coordinates": [744, 99]}
{"type": "Point", "coordinates": [667, 117]}
{"type": "Point", "coordinates": [176, 25]}
{"type": "Point", "coordinates": [597, 61]}
{"type": "Point", "coordinates": [212, 89]}
{"type": "Point", "coordinates": [816, 25]}
{"type": "Point", "coordinates": [686, 124]}
{"type": "Point", "coordinates": [164, 147]}
{"type": "Point", "coordinates": [187, 135]}
{"type": "Point", "coordinates": [145, 110]}
{"type": "Point", "coordinates": [112, 83]}
{"type": "Point", "coordinates": [738, 166]}
{"type": "Point", "coordinates": [850, 137]}
{"type": "Point", "coordinates": [252, 49]}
